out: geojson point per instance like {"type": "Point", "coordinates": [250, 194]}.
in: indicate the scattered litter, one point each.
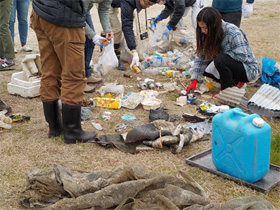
{"type": "Point", "coordinates": [97, 126]}
{"type": "Point", "coordinates": [170, 86]}
{"type": "Point", "coordinates": [4, 106]}
{"type": "Point", "coordinates": [143, 85]}
{"type": "Point", "coordinates": [19, 117]}
{"type": "Point", "coordinates": [111, 88]}
{"type": "Point", "coordinates": [159, 142]}
{"type": "Point", "coordinates": [88, 104]}
{"type": "Point", "coordinates": [5, 122]}
{"type": "Point", "coordinates": [127, 75]}
{"type": "Point", "coordinates": [192, 118]}
{"type": "Point", "coordinates": [86, 114]}
{"type": "Point", "coordinates": [128, 117]}
{"type": "Point", "coordinates": [151, 103]}
{"type": "Point", "coordinates": [149, 93]}
{"type": "Point", "coordinates": [105, 116]}
{"type": "Point", "coordinates": [191, 98]}
{"type": "Point", "coordinates": [199, 129]}
{"type": "Point", "coordinates": [202, 89]}
{"type": "Point", "coordinates": [174, 117]}
{"type": "Point", "coordinates": [181, 100]}
{"type": "Point", "coordinates": [110, 103]}
{"type": "Point", "coordinates": [210, 109]}
{"type": "Point", "coordinates": [158, 114]}
{"type": "Point", "coordinates": [131, 100]}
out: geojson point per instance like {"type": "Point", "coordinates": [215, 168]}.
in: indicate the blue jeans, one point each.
{"type": "Point", "coordinates": [21, 8]}
{"type": "Point", "coordinates": [89, 47]}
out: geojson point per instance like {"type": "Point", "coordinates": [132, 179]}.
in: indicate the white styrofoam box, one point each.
{"type": "Point", "coordinates": [26, 92]}
{"type": "Point", "coordinates": [22, 86]}
{"type": "Point", "coordinates": [19, 78]}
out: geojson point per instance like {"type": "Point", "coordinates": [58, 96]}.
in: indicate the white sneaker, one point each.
{"type": "Point", "coordinates": [15, 49]}
{"type": "Point", "coordinates": [26, 48]}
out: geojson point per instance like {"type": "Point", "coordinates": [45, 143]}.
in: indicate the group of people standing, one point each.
{"type": "Point", "coordinates": [66, 39]}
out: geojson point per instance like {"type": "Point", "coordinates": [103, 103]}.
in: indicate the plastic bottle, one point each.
{"type": "Point", "coordinates": [186, 74]}
{"type": "Point", "coordinates": [151, 71]}
{"type": "Point", "coordinates": [172, 73]}
{"type": "Point", "coordinates": [155, 61]}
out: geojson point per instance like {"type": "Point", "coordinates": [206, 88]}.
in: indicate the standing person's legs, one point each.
{"type": "Point", "coordinates": [13, 19]}
{"type": "Point", "coordinates": [89, 47]}
{"type": "Point", "coordinates": [67, 46]}
{"type": "Point", "coordinates": [50, 81]}
{"type": "Point", "coordinates": [231, 72]}
{"type": "Point", "coordinates": [50, 65]}
{"type": "Point", "coordinates": [115, 24]}
{"type": "Point", "coordinates": [6, 43]}
{"type": "Point", "coordinates": [232, 17]}
{"type": "Point", "coordinates": [62, 58]}
{"type": "Point", "coordinates": [22, 11]}
{"type": "Point", "coordinates": [117, 30]}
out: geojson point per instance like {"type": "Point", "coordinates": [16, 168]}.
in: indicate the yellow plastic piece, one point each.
{"type": "Point", "coordinates": [110, 103]}
{"type": "Point", "coordinates": [210, 86]}
{"type": "Point", "coordinates": [136, 69]}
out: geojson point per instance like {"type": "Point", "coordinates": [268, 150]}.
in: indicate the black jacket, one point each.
{"type": "Point", "coordinates": [65, 13]}
{"type": "Point", "coordinates": [175, 8]}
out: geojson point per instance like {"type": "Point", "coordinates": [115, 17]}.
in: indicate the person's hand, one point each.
{"type": "Point", "coordinates": [157, 18]}
{"type": "Point", "coordinates": [98, 40]}
{"type": "Point", "coordinates": [109, 36]}
{"type": "Point", "coordinates": [166, 32]}
{"type": "Point", "coordinates": [247, 10]}
{"type": "Point", "coordinates": [201, 3]}
{"type": "Point", "coordinates": [192, 86]}
{"type": "Point", "coordinates": [135, 59]}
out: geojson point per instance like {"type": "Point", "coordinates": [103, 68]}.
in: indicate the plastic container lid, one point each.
{"type": "Point", "coordinates": [258, 122]}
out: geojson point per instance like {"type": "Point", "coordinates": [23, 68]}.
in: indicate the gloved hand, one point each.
{"type": "Point", "coordinates": [135, 59]}
{"type": "Point", "coordinates": [247, 10]}
{"type": "Point", "coordinates": [201, 3]}
{"type": "Point", "coordinates": [97, 39]}
{"type": "Point", "coordinates": [192, 86]}
{"type": "Point", "coordinates": [158, 18]}
{"type": "Point", "coordinates": [166, 32]}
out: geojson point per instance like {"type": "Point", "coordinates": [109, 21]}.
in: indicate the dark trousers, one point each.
{"type": "Point", "coordinates": [232, 17]}
{"type": "Point", "coordinates": [231, 72]}
{"type": "Point", "coordinates": [89, 47]}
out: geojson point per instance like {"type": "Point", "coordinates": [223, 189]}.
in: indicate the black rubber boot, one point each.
{"type": "Point", "coordinates": [53, 117]}
{"type": "Point", "coordinates": [71, 117]}
{"type": "Point", "coordinates": [118, 54]}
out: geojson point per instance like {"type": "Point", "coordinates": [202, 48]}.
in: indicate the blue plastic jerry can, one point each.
{"type": "Point", "coordinates": [241, 144]}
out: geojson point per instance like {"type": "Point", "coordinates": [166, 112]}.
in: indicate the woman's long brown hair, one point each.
{"type": "Point", "coordinates": [209, 44]}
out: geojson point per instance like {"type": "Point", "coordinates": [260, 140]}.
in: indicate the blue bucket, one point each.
{"type": "Point", "coordinates": [241, 144]}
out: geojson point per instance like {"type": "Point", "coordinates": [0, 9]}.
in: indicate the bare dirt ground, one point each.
{"type": "Point", "coordinates": [26, 145]}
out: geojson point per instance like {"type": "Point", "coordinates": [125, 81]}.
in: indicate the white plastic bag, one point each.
{"type": "Point", "coordinates": [109, 57]}
{"type": "Point", "coordinates": [156, 41]}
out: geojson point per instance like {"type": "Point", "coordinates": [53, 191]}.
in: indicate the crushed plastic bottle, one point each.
{"type": "Point", "coordinates": [155, 70]}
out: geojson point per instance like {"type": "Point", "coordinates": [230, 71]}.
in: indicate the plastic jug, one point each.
{"type": "Point", "coordinates": [241, 144]}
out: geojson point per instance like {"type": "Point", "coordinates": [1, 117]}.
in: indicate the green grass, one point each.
{"type": "Point", "coordinates": [275, 149]}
